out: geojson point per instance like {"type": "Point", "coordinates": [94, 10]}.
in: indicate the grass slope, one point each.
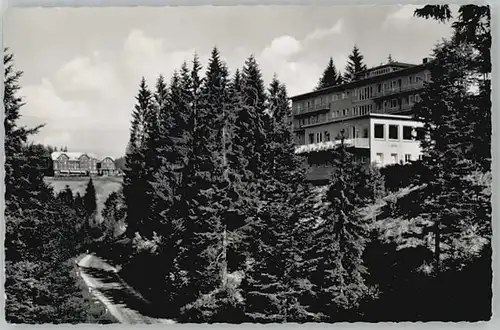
{"type": "Point", "coordinates": [104, 186]}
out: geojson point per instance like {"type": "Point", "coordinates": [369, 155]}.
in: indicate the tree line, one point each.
{"type": "Point", "coordinates": [224, 228]}
{"type": "Point", "coordinates": [217, 207]}
{"type": "Point", "coordinates": [44, 231]}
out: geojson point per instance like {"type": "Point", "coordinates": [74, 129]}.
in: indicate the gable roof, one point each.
{"type": "Point", "coordinates": [71, 155]}
{"type": "Point", "coordinates": [108, 157]}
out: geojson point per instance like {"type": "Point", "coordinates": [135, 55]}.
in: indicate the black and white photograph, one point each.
{"type": "Point", "coordinates": [247, 164]}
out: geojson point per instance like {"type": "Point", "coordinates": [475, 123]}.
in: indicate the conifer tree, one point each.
{"type": "Point", "coordinates": [18, 192]}
{"type": "Point", "coordinates": [355, 65]}
{"type": "Point", "coordinates": [330, 77]}
{"type": "Point", "coordinates": [113, 215]}
{"type": "Point", "coordinates": [90, 206]}
{"type": "Point", "coordinates": [251, 121]}
{"type": "Point", "coordinates": [239, 116]}
{"type": "Point", "coordinates": [271, 284]}
{"type": "Point", "coordinates": [153, 141]}
{"type": "Point", "coordinates": [134, 179]}
{"type": "Point", "coordinates": [41, 229]}
{"type": "Point", "coordinates": [336, 263]}
{"type": "Point", "coordinates": [456, 127]}
{"type": "Point", "coordinates": [204, 180]}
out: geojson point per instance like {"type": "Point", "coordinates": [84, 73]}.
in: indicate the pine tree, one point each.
{"type": "Point", "coordinates": [152, 165]}
{"type": "Point", "coordinates": [90, 206]}
{"type": "Point", "coordinates": [336, 263]}
{"type": "Point", "coordinates": [202, 225]}
{"type": "Point", "coordinates": [453, 120]}
{"type": "Point", "coordinates": [272, 283]}
{"type": "Point", "coordinates": [41, 229]}
{"type": "Point", "coordinates": [18, 192]}
{"type": "Point", "coordinates": [251, 121]}
{"type": "Point", "coordinates": [239, 115]}
{"type": "Point", "coordinates": [113, 215]}
{"type": "Point", "coordinates": [66, 196]}
{"type": "Point", "coordinates": [134, 179]}
{"type": "Point", "coordinates": [354, 66]}
{"type": "Point", "coordinates": [330, 77]}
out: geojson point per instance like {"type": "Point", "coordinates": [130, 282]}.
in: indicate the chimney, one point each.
{"type": "Point", "coordinates": [426, 60]}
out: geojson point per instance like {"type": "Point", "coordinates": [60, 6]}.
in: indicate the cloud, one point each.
{"type": "Point", "coordinates": [146, 56]}
{"type": "Point", "coordinates": [403, 13]}
{"type": "Point", "coordinates": [322, 33]}
{"type": "Point", "coordinates": [278, 57]}
{"type": "Point", "coordinates": [82, 125]}
{"type": "Point", "coordinates": [88, 73]}
{"type": "Point", "coordinates": [282, 48]}
{"type": "Point", "coordinates": [403, 18]}
{"type": "Point", "coordinates": [44, 106]}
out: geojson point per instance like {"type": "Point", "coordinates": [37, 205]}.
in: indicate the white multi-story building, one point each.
{"type": "Point", "coordinates": [373, 113]}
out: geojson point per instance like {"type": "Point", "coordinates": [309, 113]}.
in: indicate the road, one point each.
{"type": "Point", "coordinates": [121, 300]}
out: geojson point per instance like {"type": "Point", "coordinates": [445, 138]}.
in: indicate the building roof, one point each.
{"type": "Point", "coordinates": [396, 64]}
{"type": "Point", "coordinates": [71, 155]}
{"type": "Point", "coordinates": [361, 82]}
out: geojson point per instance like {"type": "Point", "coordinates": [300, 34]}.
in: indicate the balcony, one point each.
{"type": "Point", "coordinates": [398, 90]}
{"type": "Point", "coordinates": [329, 145]}
{"type": "Point", "coordinates": [312, 109]}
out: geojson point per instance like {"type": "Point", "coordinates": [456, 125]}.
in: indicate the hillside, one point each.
{"type": "Point", "coordinates": [104, 186]}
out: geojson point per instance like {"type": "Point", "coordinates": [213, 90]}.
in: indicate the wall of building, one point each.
{"type": "Point", "coordinates": [390, 95]}
{"type": "Point", "coordinates": [388, 148]}
{"type": "Point", "coordinates": [334, 129]}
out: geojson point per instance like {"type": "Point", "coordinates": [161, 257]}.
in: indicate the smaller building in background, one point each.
{"type": "Point", "coordinates": [107, 166]}
{"type": "Point", "coordinates": [81, 164]}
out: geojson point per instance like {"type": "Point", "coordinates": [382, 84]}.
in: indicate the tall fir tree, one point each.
{"type": "Point", "coordinates": [206, 225]}
{"type": "Point", "coordinates": [134, 180]}
{"type": "Point", "coordinates": [90, 199]}
{"type": "Point", "coordinates": [447, 143]}
{"type": "Point", "coordinates": [336, 256]}
{"type": "Point", "coordinates": [272, 291]}
{"type": "Point", "coordinates": [251, 121]}
{"type": "Point", "coordinates": [153, 126]}
{"type": "Point", "coordinates": [41, 230]}
{"type": "Point", "coordinates": [451, 147]}
{"type": "Point", "coordinates": [18, 192]}
{"type": "Point", "coordinates": [354, 65]}
{"type": "Point", "coordinates": [330, 76]}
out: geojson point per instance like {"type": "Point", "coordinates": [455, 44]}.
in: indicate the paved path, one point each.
{"type": "Point", "coordinates": [105, 285]}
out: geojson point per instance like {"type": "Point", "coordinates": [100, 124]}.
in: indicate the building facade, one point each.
{"type": "Point", "coordinates": [107, 166]}
{"type": "Point", "coordinates": [81, 164]}
{"type": "Point", "coordinates": [373, 113]}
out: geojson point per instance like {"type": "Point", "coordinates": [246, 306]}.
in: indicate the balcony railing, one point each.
{"type": "Point", "coordinates": [329, 145]}
{"type": "Point", "coordinates": [397, 90]}
{"type": "Point", "coordinates": [313, 108]}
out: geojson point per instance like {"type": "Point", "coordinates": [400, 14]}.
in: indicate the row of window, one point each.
{"type": "Point", "coordinates": [393, 159]}
{"type": "Point", "coordinates": [408, 133]}
{"type": "Point", "coordinates": [326, 135]}
{"type": "Point", "coordinates": [393, 134]}
{"type": "Point", "coordinates": [363, 93]}
{"type": "Point", "coordinates": [73, 166]}
{"type": "Point", "coordinates": [360, 110]}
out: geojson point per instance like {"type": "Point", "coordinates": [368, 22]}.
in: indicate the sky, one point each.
{"type": "Point", "coordinates": [82, 66]}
